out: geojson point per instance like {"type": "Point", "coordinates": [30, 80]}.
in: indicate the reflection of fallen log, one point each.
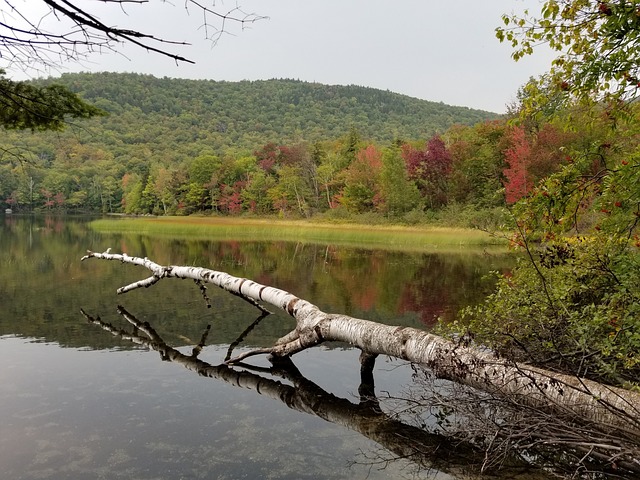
{"type": "Point", "coordinates": [611, 408]}
{"type": "Point", "coordinates": [425, 450]}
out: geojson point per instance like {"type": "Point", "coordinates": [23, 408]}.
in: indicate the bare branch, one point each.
{"type": "Point", "coordinates": [242, 336]}
{"type": "Point", "coordinates": [29, 43]}
{"type": "Point", "coordinates": [252, 353]}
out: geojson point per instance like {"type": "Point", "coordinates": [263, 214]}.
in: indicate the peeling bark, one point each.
{"type": "Point", "coordinates": [614, 409]}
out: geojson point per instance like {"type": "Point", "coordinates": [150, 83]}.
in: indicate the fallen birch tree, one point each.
{"type": "Point", "coordinates": [613, 409]}
{"type": "Point", "coordinates": [427, 451]}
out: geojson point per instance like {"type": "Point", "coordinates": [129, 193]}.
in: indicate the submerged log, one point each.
{"type": "Point", "coordinates": [614, 409]}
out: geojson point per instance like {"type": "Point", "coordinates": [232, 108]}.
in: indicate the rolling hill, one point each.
{"type": "Point", "coordinates": [248, 114]}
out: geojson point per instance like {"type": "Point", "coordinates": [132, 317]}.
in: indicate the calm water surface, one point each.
{"type": "Point", "coordinates": [77, 402]}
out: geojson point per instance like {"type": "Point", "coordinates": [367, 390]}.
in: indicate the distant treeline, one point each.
{"type": "Point", "coordinates": [283, 147]}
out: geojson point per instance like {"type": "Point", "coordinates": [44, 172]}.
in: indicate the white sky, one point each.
{"type": "Point", "coordinates": [440, 51]}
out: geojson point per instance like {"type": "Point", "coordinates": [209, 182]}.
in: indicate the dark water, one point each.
{"type": "Point", "coordinates": [77, 402]}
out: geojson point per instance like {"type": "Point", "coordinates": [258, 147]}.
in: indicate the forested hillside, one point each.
{"type": "Point", "coordinates": [280, 147]}
{"type": "Point", "coordinates": [161, 131]}
{"type": "Point", "coordinates": [248, 114]}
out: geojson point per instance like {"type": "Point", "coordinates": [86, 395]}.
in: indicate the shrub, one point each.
{"type": "Point", "coordinates": [572, 306]}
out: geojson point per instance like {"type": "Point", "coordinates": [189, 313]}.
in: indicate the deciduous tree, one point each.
{"type": "Point", "coordinates": [361, 179]}
{"type": "Point", "coordinates": [254, 195]}
{"type": "Point", "coordinates": [517, 180]}
{"type": "Point", "coordinates": [477, 164]}
{"type": "Point", "coordinates": [430, 169]}
{"type": "Point", "coordinates": [601, 407]}
{"type": "Point", "coordinates": [573, 304]}
{"type": "Point", "coordinates": [132, 187]}
{"type": "Point", "coordinates": [54, 30]}
{"type": "Point", "coordinates": [398, 194]}
{"type": "Point", "coordinates": [598, 42]}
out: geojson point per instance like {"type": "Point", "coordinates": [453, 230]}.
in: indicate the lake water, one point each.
{"type": "Point", "coordinates": [77, 402]}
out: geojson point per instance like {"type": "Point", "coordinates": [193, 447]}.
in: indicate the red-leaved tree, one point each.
{"type": "Point", "coordinates": [361, 190]}
{"type": "Point", "coordinates": [517, 181]}
{"type": "Point", "coordinates": [430, 168]}
{"type": "Point", "coordinates": [230, 200]}
{"type": "Point", "coordinates": [530, 158]}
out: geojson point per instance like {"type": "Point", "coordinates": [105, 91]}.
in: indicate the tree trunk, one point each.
{"type": "Point", "coordinates": [612, 408]}
{"type": "Point", "coordinates": [407, 442]}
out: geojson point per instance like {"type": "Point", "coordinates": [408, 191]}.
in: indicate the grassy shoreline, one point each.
{"type": "Point", "coordinates": [256, 229]}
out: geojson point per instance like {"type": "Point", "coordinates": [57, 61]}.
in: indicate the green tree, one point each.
{"type": "Point", "coordinates": [8, 183]}
{"type": "Point", "coordinates": [573, 303]}
{"type": "Point", "coordinates": [149, 201]}
{"type": "Point", "coordinates": [327, 178]}
{"type": "Point", "coordinates": [203, 168]}
{"type": "Point", "coordinates": [598, 43]}
{"type": "Point", "coordinates": [351, 145]}
{"type": "Point", "coordinates": [165, 188]}
{"type": "Point", "coordinates": [30, 107]}
{"type": "Point", "coordinates": [477, 164]}
{"type": "Point", "coordinates": [196, 197]}
{"type": "Point", "coordinates": [205, 175]}
{"type": "Point", "coordinates": [77, 200]}
{"type": "Point", "coordinates": [291, 192]}
{"type": "Point", "coordinates": [398, 194]}
{"type": "Point", "coordinates": [109, 193]}
{"type": "Point", "coordinates": [132, 187]}
{"type": "Point", "coordinates": [255, 196]}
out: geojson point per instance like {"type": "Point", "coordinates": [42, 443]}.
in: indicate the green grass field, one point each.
{"type": "Point", "coordinates": [366, 236]}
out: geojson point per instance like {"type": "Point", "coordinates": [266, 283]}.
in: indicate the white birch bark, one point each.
{"type": "Point", "coordinates": [612, 408]}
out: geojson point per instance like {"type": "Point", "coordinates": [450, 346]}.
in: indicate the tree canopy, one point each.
{"type": "Point", "coordinates": [573, 303]}
{"type": "Point", "coordinates": [267, 146]}
{"type": "Point", "coordinates": [28, 106]}
{"type": "Point", "coordinates": [598, 42]}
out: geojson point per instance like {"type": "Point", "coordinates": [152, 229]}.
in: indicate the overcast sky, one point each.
{"type": "Point", "coordinates": [441, 51]}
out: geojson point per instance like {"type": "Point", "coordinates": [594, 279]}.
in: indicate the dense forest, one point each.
{"type": "Point", "coordinates": [180, 146]}
{"type": "Point", "coordinates": [281, 147]}
{"type": "Point", "coordinates": [246, 114]}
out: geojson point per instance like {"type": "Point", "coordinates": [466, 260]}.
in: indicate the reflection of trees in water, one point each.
{"type": "Point", "coordinates": [41, 254]}
{"type": "Point", "coordinates": [353, 280]}
{"type": "Point", "coordinates": [348, 280]}
{"type": "Point", "coordinates": [403, 434]}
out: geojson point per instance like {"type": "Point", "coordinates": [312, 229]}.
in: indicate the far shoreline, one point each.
{"type": "Point", "coordinates": [393, 237]}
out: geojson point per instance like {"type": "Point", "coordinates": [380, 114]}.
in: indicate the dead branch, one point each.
{"type": "Point", "coordinates": [66, 30]}
{"type": "Point", "coordinates": [613, 409]}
